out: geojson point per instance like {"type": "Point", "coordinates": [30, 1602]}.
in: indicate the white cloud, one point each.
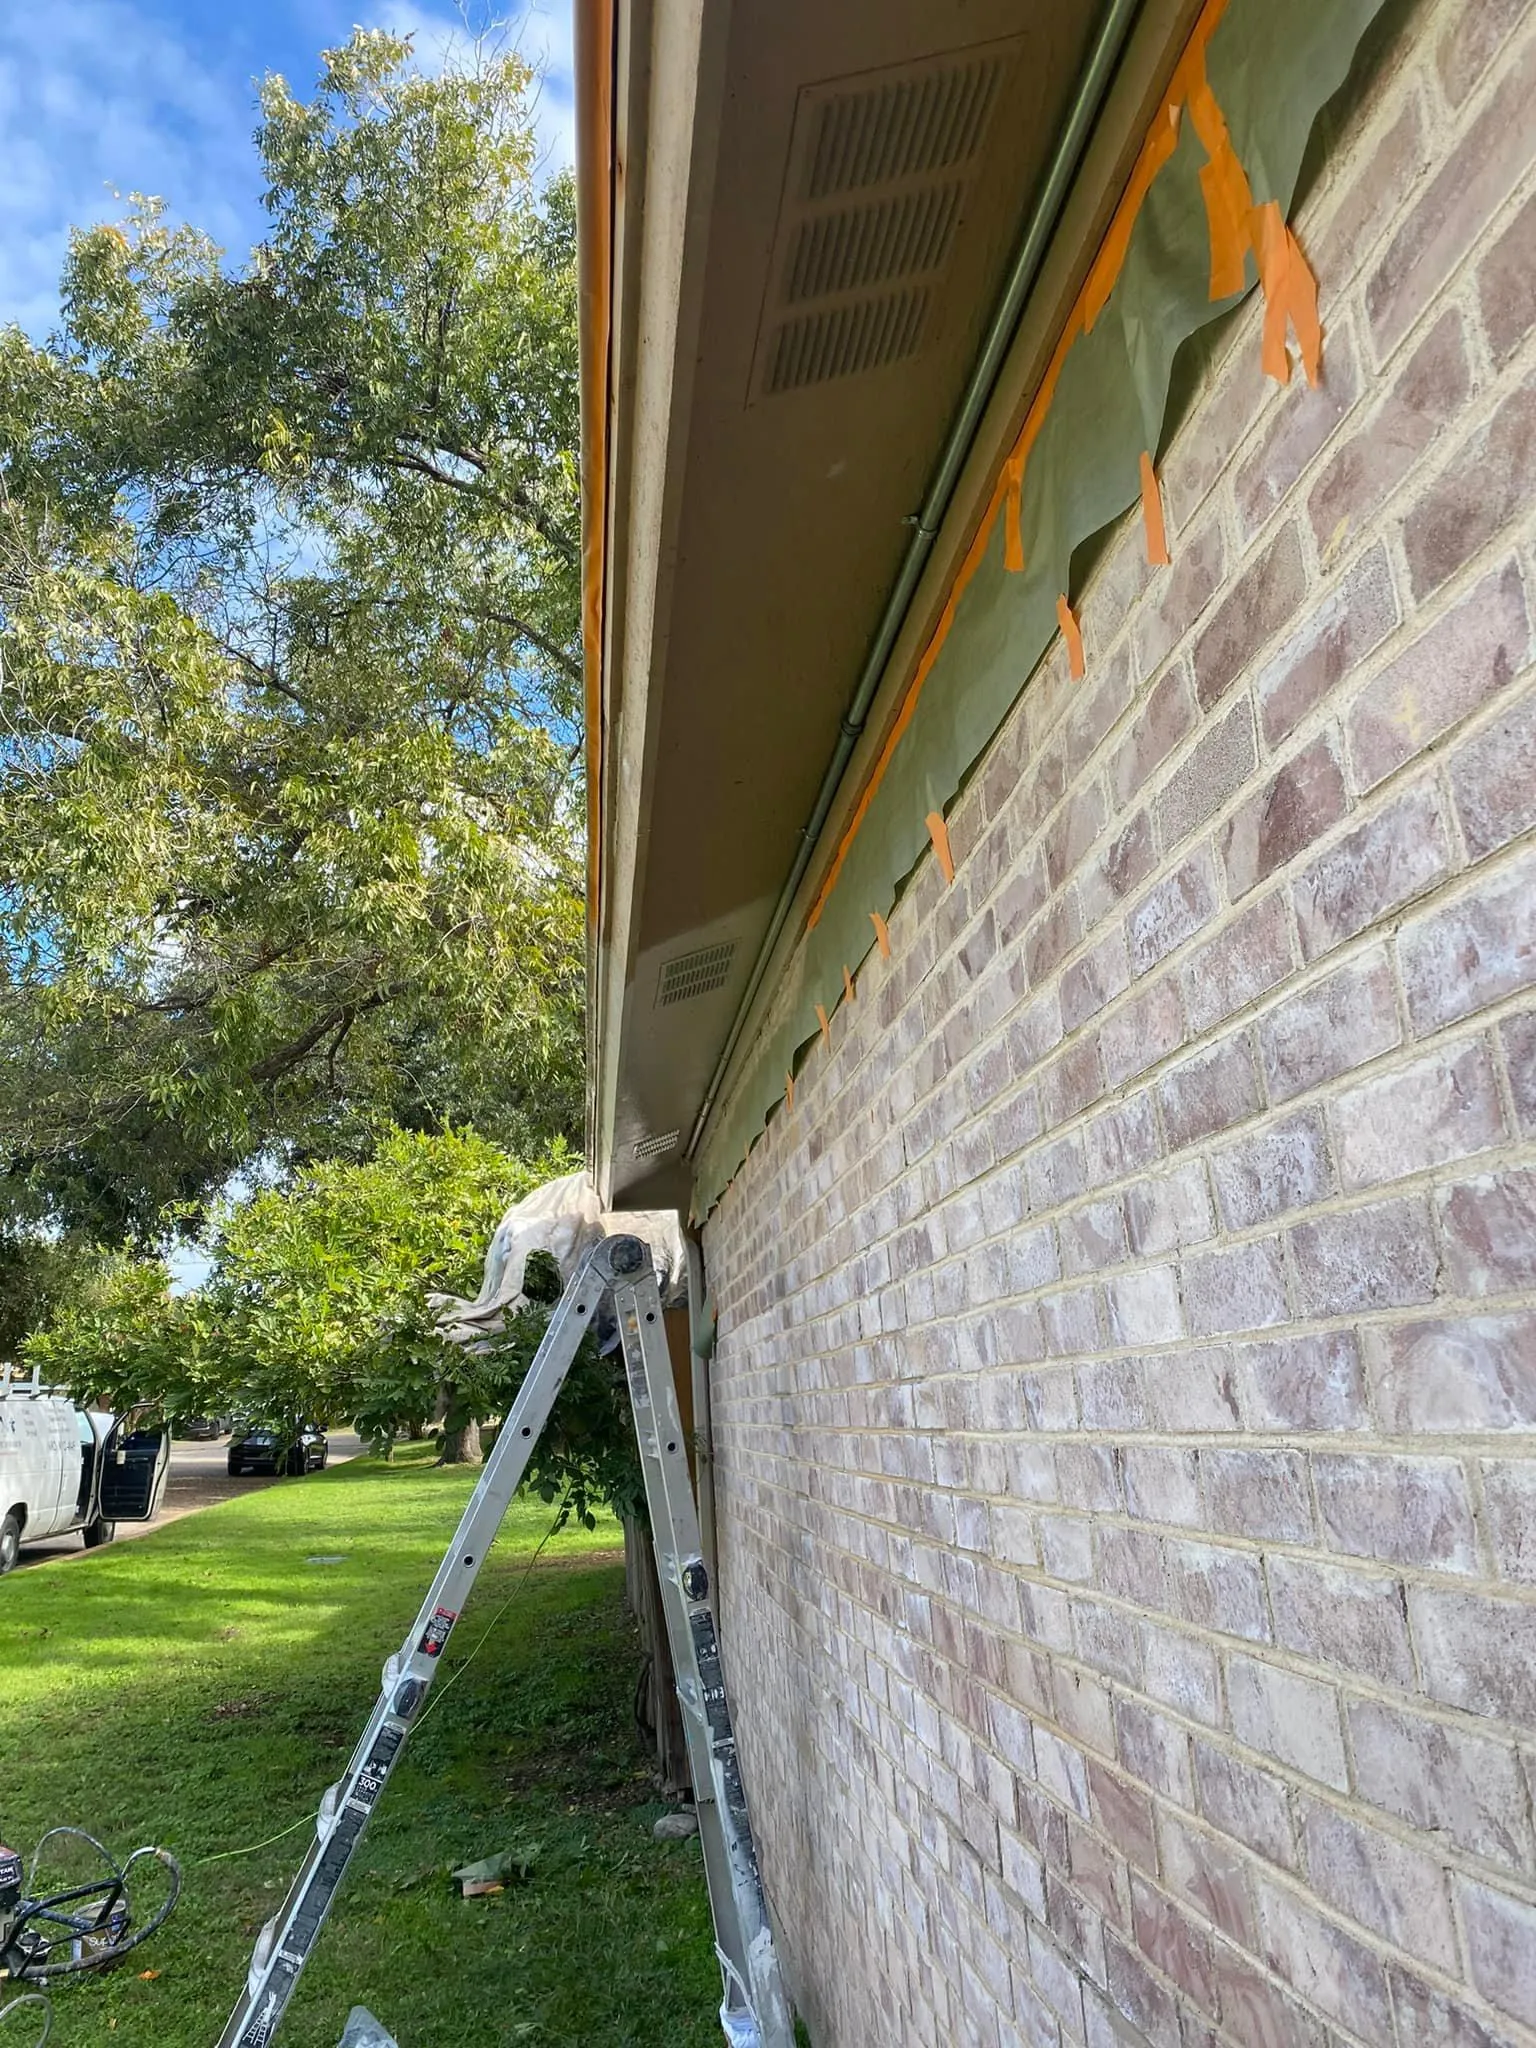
{"type": "Point", "coordinates": [98, 95]}
{"type": "Point", "coordinates": [544, 36]}
{"type": "Point", "coordinates": [439, 39]}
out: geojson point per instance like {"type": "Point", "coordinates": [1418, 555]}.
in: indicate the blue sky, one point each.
{"type": "Point", "coordinates": [159, 96]}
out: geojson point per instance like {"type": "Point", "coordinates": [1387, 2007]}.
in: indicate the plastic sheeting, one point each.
{"type": "Point", "coordinates": [565, 1219]}
{"type": "Point", "coordinates": [1270, 70]}
{"type": "Point", "coordinates": [363, 2031]}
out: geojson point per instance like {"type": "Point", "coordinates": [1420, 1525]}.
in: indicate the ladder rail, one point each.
{"type": "Point", "coordinates": [289, 1937]}
{"type": "Point", "coordinates": [742, 1930]}
{"type": "Point", "coordinates": [620, 1267]}
{"type": "Point", "coordinates": [696, 1733]}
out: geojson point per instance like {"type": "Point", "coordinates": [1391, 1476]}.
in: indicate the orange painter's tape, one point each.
{"type": "Point", "coordinates": [1008, 492]}
{"type": "Point", "coordinates": [1228, 204]}
{"type": "Point", "coordinates": [1152, 513]}
{"type": "Point", "coordinates": [1067, 620]}
{"type": "Point", "coordinates": [826, 1028]}
{"type": "Point", "coordinates": [1162, 139]}
{"type": "Point", "coordinates": [882, 934]}
{"type": "Point", "coordinates": [1228, 201]}
{"type": "Point", "coordinates": [938, 832]}
{"type": "Point", "coordinates": [1290, 294]}
{"type": "Point", "coordinates": [848, 989]}
{"type": "Point", "coordinates": [1223, 186]}
{"type": "Point", "coordinates": [1013, 535]}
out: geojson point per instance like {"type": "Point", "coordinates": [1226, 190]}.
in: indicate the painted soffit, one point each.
{"type": "Point", "coordinates": [843, 201]}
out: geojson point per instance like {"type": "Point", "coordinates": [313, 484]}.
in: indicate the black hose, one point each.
{"type": "Point", "coordinates": [50, 1911]}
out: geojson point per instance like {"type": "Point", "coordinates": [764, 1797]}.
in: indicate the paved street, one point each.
{"type": "Point", "coordinates": [198, 1478]}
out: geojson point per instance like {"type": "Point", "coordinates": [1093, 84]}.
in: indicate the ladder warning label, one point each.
{"type": "Point", "coordinates": [435, 1634]}
{"type": "Point", "coordinates": [369, 1782]}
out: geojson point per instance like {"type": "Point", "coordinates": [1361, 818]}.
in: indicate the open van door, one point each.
{"type": "Point", "coordinates": [134, 1464]}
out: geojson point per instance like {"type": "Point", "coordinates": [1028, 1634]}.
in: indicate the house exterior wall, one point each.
{"type": "Point", "coordinates": [1125, 1404]}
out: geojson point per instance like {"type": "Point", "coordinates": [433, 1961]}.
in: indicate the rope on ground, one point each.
{"type": "Point", "coordinates": [223, 1856]}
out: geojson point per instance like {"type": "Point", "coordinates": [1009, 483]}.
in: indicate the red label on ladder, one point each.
{"type": "Point", "coordinates": [435, 1634]}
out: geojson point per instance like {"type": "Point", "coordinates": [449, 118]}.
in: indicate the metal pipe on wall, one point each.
{"type": "Point", "coordinates": [700, 1350]}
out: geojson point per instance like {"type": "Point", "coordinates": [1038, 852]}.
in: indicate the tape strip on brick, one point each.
{"type": "Point", "coordinates": [1269, 70]}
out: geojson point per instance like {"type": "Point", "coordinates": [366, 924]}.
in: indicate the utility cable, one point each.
{"type": "Point", "coordinates": [459, 1669]}
{"type": "Point", "coordinates": [308, 1820]}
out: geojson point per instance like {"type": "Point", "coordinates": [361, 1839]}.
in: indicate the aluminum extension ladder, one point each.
{"type": "Point", "coordinates": [754, 2012]}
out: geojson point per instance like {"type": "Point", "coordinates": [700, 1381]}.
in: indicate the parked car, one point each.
{"type": "Point", "coordinates": [264, 1447]}
{"type": "Point", "coordinates": [64, 1468]}
{"type": "Point", "coordinates": [197, 1428]}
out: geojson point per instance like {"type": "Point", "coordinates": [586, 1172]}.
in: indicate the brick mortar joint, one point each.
{"type": "Point", "coordinates": [1513, 1151]}
{"type": "Point", "coordinates": [1293, 1882]}
{"type": "Point", "coordinates": [1294, 1327]}
{"type": "Point", "coordinates": [1493, 384]}
{"type": "Point", "coordinates": [1452, 1447]}
{"type": "Point", "coordinates": [1443, 1579]}
{"type": "Point", "coordinates": [1319, 719]}
{"type": "Point", "coordinates": [1455, 883]}
{"type": "Point", "coordinates": [1381, 795]}
{"type": "Point", "coordinates": [817, 1398]}
{"type": "Point", "coordinates": [1189, 1909]}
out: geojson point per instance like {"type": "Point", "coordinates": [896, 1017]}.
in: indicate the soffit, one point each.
{"type": "Point", "coordinates": [874, 162]}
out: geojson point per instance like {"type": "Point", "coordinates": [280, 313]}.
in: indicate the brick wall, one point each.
{"type": "Point", "coordinates": [1127, 1380]}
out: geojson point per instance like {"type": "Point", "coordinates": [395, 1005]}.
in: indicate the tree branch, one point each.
{"type": "Point", "coordinates": [519, 503]}
{"type": "Point", "coordinates": [267, 677]}
{"type": "Point", "coordinates": [423, 465]}
{"type": "Point", "coordinates": [348, 1015]}
{"type": "Point", "coordinates": [549, 648]}
{"type": "Point", "coordinates": [297, 1050]}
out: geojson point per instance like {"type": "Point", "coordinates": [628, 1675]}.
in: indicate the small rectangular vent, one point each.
{"type": "Point", "coordinates": [846, 339]}
{"type": "Point", "coordinates": [694, 974]}
{"type": "Point", "coordinates": [851, 249]}
{"type": "Point", "coordinates": [653, 1148]}
{"type": "Point", "coordinates": [906, 128]}
{"type": "Point", "coordinates": [874, 201]}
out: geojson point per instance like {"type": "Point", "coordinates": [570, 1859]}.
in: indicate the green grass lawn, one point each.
{"type": "Point", "coordinates": [200, 1689]}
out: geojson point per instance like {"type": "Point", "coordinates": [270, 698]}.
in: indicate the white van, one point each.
{"type": "Point", "coordinates": [64, 1468]}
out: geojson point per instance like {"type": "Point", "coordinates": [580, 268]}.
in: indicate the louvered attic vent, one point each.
{"type": "Point", "coordinates": [878, 174]}
{"type": "Point", "coordinates": [694, 974]}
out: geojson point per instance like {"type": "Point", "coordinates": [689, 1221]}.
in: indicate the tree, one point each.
{"type": "Point", "coordinates": [121, 1339]}
{"type": "Point", "coordinates": [289, 729]}
{"type": "Point", "coordinates": [318, 1293]}
{"type": "Point", "coordinates": [39, 1272]}
{"type": "Point", "coordinates": [316, 1306]}
{"type": "Point", "coordinates": [315, 1303]}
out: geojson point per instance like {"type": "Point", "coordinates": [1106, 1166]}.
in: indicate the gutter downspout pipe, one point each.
{"type": "Point", "coordinates": [1088, 98]}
